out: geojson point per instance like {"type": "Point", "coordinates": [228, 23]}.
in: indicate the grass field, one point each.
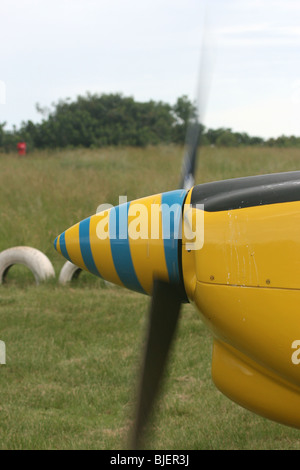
{"type": "Point", "coordinates": [72, 351]}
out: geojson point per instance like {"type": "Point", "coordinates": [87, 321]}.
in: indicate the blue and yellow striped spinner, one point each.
{"type": "Point", "coordinates": [130, 244]}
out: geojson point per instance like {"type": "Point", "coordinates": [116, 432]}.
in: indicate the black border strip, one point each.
{"type": "Point", "coordinates": [248, 191]}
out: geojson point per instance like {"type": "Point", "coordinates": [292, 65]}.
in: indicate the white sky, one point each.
{"type": "Point", "coordinates": [150, 49]}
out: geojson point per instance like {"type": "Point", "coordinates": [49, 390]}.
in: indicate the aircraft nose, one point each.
{"type": "Point", "coordinates": [129, 244]}
{"type": "Point", "coordinates": [80, 245]}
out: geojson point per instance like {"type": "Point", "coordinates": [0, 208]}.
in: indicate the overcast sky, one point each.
{"type": "Point", "coordinates": [150, 49]}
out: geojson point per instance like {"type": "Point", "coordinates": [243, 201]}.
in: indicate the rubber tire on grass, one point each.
{"type": "Point", "coordinates": [38, 263]}
{"type": "Point", "coordinates": [68, 272]}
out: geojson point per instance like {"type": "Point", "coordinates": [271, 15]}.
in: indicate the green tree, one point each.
{"type": "Point", "coordinates": [227, 139]}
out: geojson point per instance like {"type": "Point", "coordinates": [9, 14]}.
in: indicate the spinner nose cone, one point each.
{"type": "Point", "coordinates": [129, 244]}
{"type": "Point", "coordinates": [55, 243]}
{"type": "Point", "coordinates": [60, 245]}
{"type": "Point", "coordinates": [75, 245]}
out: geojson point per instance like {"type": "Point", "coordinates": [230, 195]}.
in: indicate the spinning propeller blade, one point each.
{"type": "Point", "coordinates": [166, 297]}
{"type": "Point", "coordinates": [163, 319]}
{"type": "Point", "coordinates": [195, 127]}
{"type": "Point", "coordinates": [187, 179]}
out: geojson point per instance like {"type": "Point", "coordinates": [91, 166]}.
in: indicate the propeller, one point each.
{"type": "Point", "coordinates": [165, 306]}
{"type": "Point", "coordinates": [167, 297]}
{"type": "Point", "coordinates": [195, 127]}
{"type": "Point", "coordinates": [187, 179]}
{"type": "Point", "coordinates": [163, 318]}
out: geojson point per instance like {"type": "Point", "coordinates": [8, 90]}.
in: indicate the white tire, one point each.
{"type": "Point", "coordinates": [38, 263]}
{"type": "Point", "coordinates": [68, 272]}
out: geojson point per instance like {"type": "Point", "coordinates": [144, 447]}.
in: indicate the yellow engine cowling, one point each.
{"type": "Point", "coordinates": [245, 280]}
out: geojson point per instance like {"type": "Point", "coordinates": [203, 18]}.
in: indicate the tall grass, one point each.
{"type": "Point", "coordinates": [72, 352]}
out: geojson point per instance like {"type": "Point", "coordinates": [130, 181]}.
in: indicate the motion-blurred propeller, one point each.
{"type": "Point", "coordinates": [163, 319]}
{"type": "Point", "coordinates": [166, 297]}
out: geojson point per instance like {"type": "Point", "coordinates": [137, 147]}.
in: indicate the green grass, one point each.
{"type": "Point", "coordinates": [73, 351]}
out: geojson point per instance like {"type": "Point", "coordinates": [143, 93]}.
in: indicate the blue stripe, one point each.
{"type": "Point", "coordinates": [172, 227]}
{"type": "Point", "coordinates": [120, 249]}
{"type": "Point", "coordinates": [85, 246]}
{"type": "Point", "coordinates": [63, 248]}
{"type": "Point", "coordinates": [55, 243]}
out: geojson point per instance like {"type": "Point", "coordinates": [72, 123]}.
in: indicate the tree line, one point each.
{"type": "Point", "coordinates": [115, 120]}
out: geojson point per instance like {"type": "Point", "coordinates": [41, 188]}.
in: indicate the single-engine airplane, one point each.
{"type": "Point", "coordinates": [231, 248]}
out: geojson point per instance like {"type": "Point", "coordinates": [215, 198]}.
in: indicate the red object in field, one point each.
{"type": "Point", "coordinates": [21, 148]}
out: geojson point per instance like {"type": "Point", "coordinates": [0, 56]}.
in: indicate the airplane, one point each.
{"type": "Point", "coordinates": [232, 249]}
